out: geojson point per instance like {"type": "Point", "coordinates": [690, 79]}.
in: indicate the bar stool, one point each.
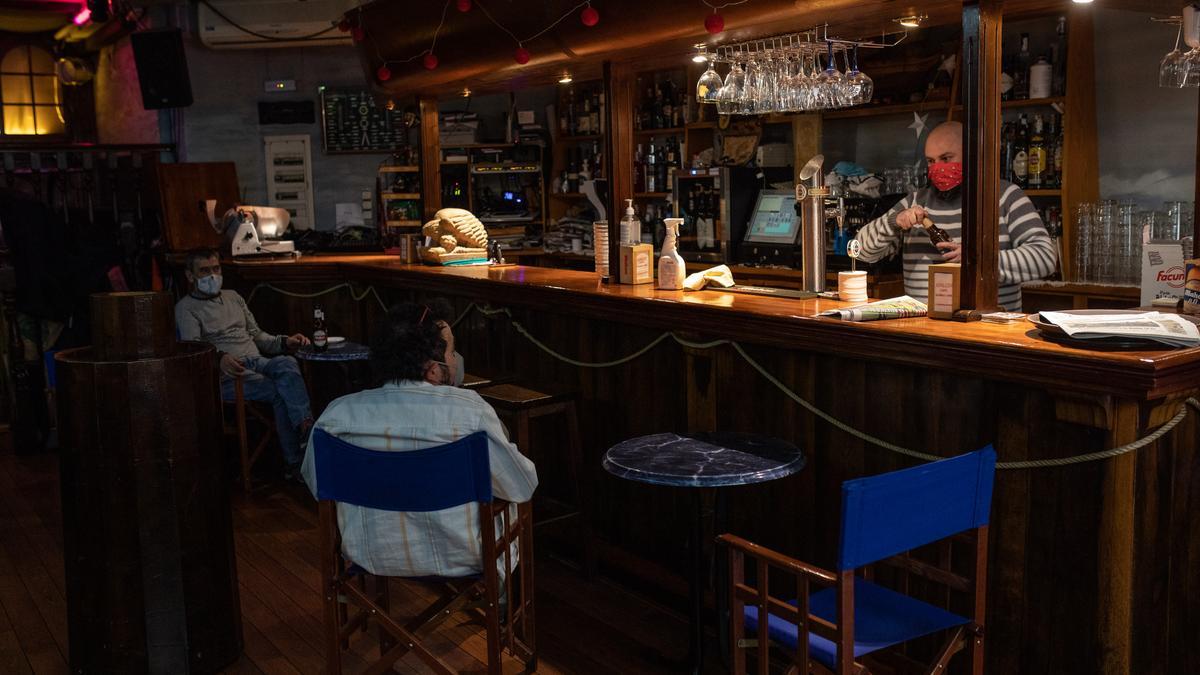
{"type": "Point", "coordinates": [518, 406]}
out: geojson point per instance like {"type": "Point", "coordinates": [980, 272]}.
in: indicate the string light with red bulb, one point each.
{"type": "Point", "coordinates": [589, 16]}
{"type": "Point", "coordinates": [715, 23]}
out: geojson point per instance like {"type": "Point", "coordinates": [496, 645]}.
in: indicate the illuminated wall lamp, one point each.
{"type": "Point", "coordinates": [566, 78]}
{"type": "Point", "coordinates": [911, 21]}
{"type": "Point", "coordinates": [466, 93]}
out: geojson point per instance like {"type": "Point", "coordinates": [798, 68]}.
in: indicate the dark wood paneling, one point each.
{"type": "Point", "coordinates": [1089, 562]}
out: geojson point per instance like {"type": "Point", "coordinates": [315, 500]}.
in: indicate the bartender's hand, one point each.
{"type": "Point", "coordinates": [231, 366]}
{"type": "Point", "coordinates": [297, 341]}
{"type": "Point", "coordinates": [910, 217]}
{"type": "Point", "coordinates": [951, 251]}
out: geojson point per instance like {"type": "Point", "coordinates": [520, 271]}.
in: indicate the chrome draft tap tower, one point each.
{"type": "Point", "coordinates": [810, 207]}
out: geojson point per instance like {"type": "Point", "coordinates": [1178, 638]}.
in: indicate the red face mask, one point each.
{"type": "Point", "coordinates": [945, 176]}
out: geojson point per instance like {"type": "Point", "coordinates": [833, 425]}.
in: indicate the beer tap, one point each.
{"type": "Point", "coordinates": [810, 206]}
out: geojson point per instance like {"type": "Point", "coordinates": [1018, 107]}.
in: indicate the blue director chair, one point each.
{"type": "Point", "coordinates": [884, 518]}
{"type": "Point", "coordinates": [432, 479]}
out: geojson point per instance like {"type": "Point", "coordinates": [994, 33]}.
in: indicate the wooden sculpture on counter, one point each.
{"type": "Point", "coordinates": [457, 236]}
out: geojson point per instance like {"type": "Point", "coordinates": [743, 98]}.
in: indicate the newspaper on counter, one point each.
{"type": "Point", "coordinates": [902, 307]}
{"type": "Point", "coordinates": [1169, 329]}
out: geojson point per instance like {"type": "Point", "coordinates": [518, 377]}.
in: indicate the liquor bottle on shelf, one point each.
{"type": "Point", "coordinates": [651, 169]}
{"type": "Point", "coordinates": [665, 108]}
{"type": "Point", "coordinates": [573, 172]}
{"type": "Point", "coordinates": [1058, 58]}
{"type": "Point", "coordinates": [585, 115]}
{"type": "Point", "coordinates": [1050, 178]}
{"type": "Point", "coordinates": [1037, 155]}
{"type": "Point", "coordinates": [638, 113]}
{"type": "Point", "coordinates": [639, 170]}
{"type": "Point", "coordinates": [1020, 163]}
{"type": "Point", "coordinates": [572, 118]}
{"type": "Point", "coordinates": [1008, 142]}
{"type": "Point", "coordinates": [1021, 70]}
{"type": "Point", "coordinates": [648, 109]}
{"type": "Point", "coordinates": [1056, 153]}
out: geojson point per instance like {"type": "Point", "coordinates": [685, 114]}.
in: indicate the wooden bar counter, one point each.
{"type": "Point", "coordinates": [1094, 566]}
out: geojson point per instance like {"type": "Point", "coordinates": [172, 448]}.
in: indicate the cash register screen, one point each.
{"type": "Point", "coordinates": [774, 220]}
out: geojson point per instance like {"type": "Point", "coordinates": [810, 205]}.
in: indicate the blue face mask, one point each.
{"type": "Point", "coordinates": [210, 285]}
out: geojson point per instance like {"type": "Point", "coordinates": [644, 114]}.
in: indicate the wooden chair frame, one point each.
{"type": "Point", "coordinates": [349, 606]}
{"type": "Point", "coordinates": [241, 408]}
{"type": "Point", "coordinates": [969, 637]}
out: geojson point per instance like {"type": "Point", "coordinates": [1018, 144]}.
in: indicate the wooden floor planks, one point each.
{"type": "Point", "coordinates": [584, 626]}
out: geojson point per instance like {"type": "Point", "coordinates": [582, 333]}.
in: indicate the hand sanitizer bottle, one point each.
{"type": "Point", "coordinates": [671, 270]}
{"type": "Point", "coordinates": [631, 229]}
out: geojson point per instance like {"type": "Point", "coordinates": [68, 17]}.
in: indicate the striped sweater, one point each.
{"type": "Point", "coordinates": [1026, 250]}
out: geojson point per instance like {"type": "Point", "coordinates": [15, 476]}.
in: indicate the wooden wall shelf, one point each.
{"type": "Point", "coordinates": [399, 169]}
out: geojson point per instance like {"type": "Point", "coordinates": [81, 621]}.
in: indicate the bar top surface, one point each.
{"type": "Point", "coordinates": [1008, 352]}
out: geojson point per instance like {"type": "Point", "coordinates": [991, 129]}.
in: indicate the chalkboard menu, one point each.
{"type": "Point", "coordinates": [353, 122]}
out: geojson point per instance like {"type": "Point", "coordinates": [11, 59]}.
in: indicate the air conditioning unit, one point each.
{"type": "Point", "coordinates": [232, 24]}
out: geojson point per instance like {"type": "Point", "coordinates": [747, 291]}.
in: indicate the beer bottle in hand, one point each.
{"type": "Point", "coordinates": [936, 234]}
{"type": "Point", "coordinates": [320, 339]}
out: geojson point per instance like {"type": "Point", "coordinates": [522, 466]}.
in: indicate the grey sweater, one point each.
{"type": "Point", "coordinates": [226, 323]}
{"type": "Point", "coordinates": [1026, 250]}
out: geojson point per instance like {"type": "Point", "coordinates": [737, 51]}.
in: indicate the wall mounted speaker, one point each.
{"type": "Point", "coordinates": [162, 68]}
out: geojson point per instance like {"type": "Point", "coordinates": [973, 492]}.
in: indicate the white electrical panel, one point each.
{"type": "Point", "coordinates": [289, 177]}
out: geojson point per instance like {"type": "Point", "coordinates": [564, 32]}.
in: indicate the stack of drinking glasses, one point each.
{"type": "Point", "coordinates": [783, 75]}
{"type": "Point", "coordinates": [1108, 243]}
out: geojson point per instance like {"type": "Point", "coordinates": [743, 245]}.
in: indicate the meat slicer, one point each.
{"type": "Point", "coordinates": [252, 230]}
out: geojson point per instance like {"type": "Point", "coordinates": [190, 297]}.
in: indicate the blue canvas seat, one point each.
{"type": "Point", "coordinates": [848, 616]}
{"type": "Point", "coordinates": [432, 479]}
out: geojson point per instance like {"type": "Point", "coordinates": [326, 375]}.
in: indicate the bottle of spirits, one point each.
{"type": "Point", "coordinates": [936, 234]}
{"type": "Point", "coordinates": [572, 119]}
{"type": "Point", "coordinates": [1037, 155]}
{"type": "Point", "coordinates": [1056, 155]}
{"type": "Point", "coordinates": [320, 339]}
{"type": "Point", "coordinates": [639, 171]}
{"type": "Point", "coordinates": [1008, 141]}
{"type": "Point", "coordinates": [1050, 171]}
{"type": "Point", "coordinates": [1021, 76]}
{"type": "Point", "coordinates": [1058, 58]}
{"type": "Point", "coordinates": [651, 169]}
{"type": "Point", "coordinates": [668, 109]}
{"type": "Point", "coordinates": [1020, 163]}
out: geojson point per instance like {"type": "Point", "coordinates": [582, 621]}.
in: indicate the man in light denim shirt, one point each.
{"type": "Point", "coordinates": [416, 408]}
{"type": "Point", "coordinates": [222, 319]}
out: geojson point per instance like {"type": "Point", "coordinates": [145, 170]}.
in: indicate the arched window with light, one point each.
{"type": "Point", "coordinates": [30, 93]}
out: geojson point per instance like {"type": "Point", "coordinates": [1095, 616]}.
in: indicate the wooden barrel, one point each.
{"type": "Point", "coordinates": [132, 325]}
{"type": "Point", "coordinates": [147, 522]}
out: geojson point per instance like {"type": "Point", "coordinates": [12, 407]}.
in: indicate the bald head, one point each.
{"type": "Point", "coordinates": [944, 143]}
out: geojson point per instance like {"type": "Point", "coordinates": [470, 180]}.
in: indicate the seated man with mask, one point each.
{"type": "Point", "coordinates": [418, 407]}
{"type": "Point", "coordinates": [222, 319]}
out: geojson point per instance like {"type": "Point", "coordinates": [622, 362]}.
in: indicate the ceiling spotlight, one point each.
{"type": "Point", "coordinates": [566, 78]}
{"type": "Point", "coordinates": [1082, 2]}
{"type": "Point", "coordinates": [701, 53]}
{"type": "Point", "coordinates": [466, 93]}
{"type": "Point", "coordinates": [911, 21]}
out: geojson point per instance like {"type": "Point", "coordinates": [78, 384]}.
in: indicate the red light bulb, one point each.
{"type": "Point", "coordinates": [430, 61]}
{"type": "Point", "coordinates": [714, 23]}
{"type": "Point", "coordinates": [521, 56]}
{"type": "Point", "coordinates": [384, 73]}
{"type": "Point", "coordinates": [589, 16]}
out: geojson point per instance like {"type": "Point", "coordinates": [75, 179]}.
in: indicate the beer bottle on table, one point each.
{"type": "Point", "coordinates": [320, 338]}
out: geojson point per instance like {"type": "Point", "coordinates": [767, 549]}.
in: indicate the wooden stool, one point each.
{"type": "Point", "coordinates": [518, 406]}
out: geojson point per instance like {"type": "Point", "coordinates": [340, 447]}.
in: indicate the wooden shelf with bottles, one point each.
{"type": "Point", "coordinates": [458, 178]}
{"type": "Point", "coordinates": [578, 140]}
{"type": "Point", "coordinates": [398, 196]}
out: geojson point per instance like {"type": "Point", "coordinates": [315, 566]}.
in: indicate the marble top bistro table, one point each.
{"type": "Point", "coordinates": [706, 461]}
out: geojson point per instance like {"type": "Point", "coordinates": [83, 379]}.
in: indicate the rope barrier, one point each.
{"type": "Point", "coordinates": [833, 421]}
{"type": "Point", "coordinates": [292, 294]}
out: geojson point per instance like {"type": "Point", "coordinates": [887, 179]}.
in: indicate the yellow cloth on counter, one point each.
{"type": "Point", "coordinates": [719, 275]}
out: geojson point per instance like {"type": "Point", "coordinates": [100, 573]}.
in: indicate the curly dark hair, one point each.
{"type": "Point", "coordinates": [405, 341]}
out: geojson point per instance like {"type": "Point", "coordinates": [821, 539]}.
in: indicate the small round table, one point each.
{"type": "Point", "coordinates": [706, 461]}
{"type": "Point", "coordinates": [342, 353]}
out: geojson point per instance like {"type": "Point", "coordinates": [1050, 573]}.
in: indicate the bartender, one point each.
{"type": "Point", "coordinates": [1026, 250]}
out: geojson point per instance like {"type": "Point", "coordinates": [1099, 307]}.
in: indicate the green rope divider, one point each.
{"type": "Point", "coordinates": [833, 421]}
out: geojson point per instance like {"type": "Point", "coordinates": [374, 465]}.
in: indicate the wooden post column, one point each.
{"type": "Point", "coordinates": [431, 156]}
{"type": "Point", "coordinates": [618, 98]}
{"type": "Point", "coordinates": [981, 155]}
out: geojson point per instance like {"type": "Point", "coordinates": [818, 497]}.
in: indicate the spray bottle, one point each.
{"type": "Point", "coordinates": [671, 270]}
